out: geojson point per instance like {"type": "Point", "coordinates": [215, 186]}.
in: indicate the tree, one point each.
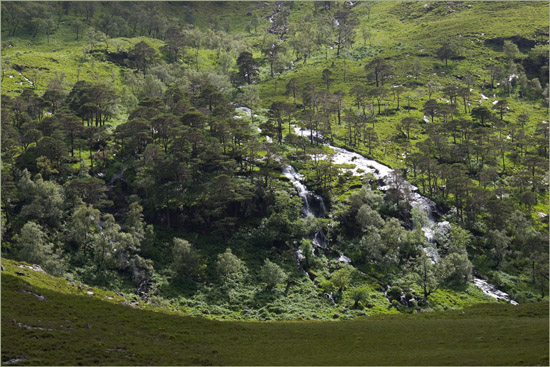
{"type": "Point", "coordinates": [431, 108]}
{"type": "Point", "coordinates": [501, 106]}
{"type": "Point", "coordinates": [34, 248]}
{"type": "Point", "coordinates": [175, 42]}
{"type": "Point", "coordinates": [229, 265]}
{"type": "Point", "coordinates": [481, 113]}
{"type": "Point", "coordinates": [185, 260]}
{"type": "Point", "coordinates": [142, 55]}
{"type": "Point", "coordinates": [272, 52]}
{"type": "Point", "coordinates": [457, 268]}
{"type": "Point", "coordinates": [77, 26]}
{"type": "Point", "coordinates": [426, 274]}
{"type": "Point", "coordinates": [368, 218]}
{"type": "Point", "coordinates": [379, 94]}
{"type": "Point", "coordinates": [379, 69]}
{"type": "Point", "coordinates": [416, 68]}
{"type": "Point", "coordinates": [292, 87]}
{"type": "Point", "coordinates": [194, 38]}
{"type": "Point", "coordinates": [447, 51]}
{"type": "Point", "coordinates": [41, 200]}
{"type": "Point", "coordinates": [406, 125]}
{"type": "Point", "coordinates": [91, 190]}
{"type": "Point", "coordinates": [359, 295]}
{"type": "Point", "coordinates": [327, 77]}
{"type": "Point", "coordinates": [510, 50]}
{"type": "Point", "coordinates": [499, 244]}
{"type": "Point", "coordinates": [82, 227]}
{"type": "Point", "coordinates": [272, 274]}
{"type": "Point", "coordinates": [248, 67]}
{"type": "Point", "coordinates": [345, 28]}
{"type": "Point", "coordinates": [496, 73]}
{"type": "Point", "coordinates": [342, 277]}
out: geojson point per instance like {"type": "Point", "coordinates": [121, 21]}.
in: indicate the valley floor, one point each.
{"type": "Point", "coordinates": [43, 323]}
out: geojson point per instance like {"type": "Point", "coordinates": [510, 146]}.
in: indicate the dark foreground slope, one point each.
{"type": "Point", "coordinates": [49, 321]}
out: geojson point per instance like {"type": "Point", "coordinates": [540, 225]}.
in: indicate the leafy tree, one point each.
{"type": "Point", "coordinates": [34, 248]}
{"type": "Point", "coordinates": [367, 217]}
{"type": "Point", "coordinates": [379, 69]}
{"type": "Point", "coordinates": [175, 42]}
{"type": "Point", "coordinates": [341, 278]}
{"type": "Point", "coordinates": [81, 229]}
{"type": "Point", "coordinates": [345, 30]}
{"type": "Point", "coordinates": [327, 77]}
{"type": "Point", "coordinates": [426, 274]}
{"type": "Point", "coordinates": [142, 56]}
{"type": "Point", "coordinates": [91, 190]}
{"type": "Point", "coordinates": [481, 113]}
{"type": "Point", "coordinates": [272, 274]}
{"type": "Point", "coordinates": [229, 265]}
{"type": "Point", "coordinates": [457, 268]}
{"type": "Point", "coordinates": [359, 295]}
{"type": "Point", "coordinates": [510, 49]}
{"type": "Point", "coordinates": [406, 124]}
{"type": "Point", "coordinates": [185, 261]}
{"type": "Point", "coordinates": [248, 67]}
{"type": "Point", "coordinates": [499, 245]}
{"type": "Point", "coordinates": [447, 51]}
{"type": "Point", "coordinates": [431, 107]}
{"type": "Point", "coordinates": [41, 200]}
{"type": "Point", "coordinates": [292, 87]}
{"type": "Point", "coordinates": [501, 107]}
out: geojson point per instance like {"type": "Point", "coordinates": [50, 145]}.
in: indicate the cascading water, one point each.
{"type": "Point", "coordinates": [314, 205]}
{"type": "Point", "coordinates": [389, 178]}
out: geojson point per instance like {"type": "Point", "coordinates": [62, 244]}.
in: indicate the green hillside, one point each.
{"type": "Point", "coordinates": [72, 327]}
{"type": "Point", "coordinates": [152, 151]}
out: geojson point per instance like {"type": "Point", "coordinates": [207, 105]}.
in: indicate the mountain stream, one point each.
{"type": "Point", "coordinates": [391, 180]}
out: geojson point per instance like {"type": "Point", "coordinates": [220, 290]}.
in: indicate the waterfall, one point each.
{"type": "Point", "coordinates": [391, 180]}
{"type": "Point", "coordinates": [314, 205]}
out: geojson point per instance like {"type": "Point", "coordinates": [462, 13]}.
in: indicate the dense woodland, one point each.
{"type": "Point", "coordinates": [126, 165]}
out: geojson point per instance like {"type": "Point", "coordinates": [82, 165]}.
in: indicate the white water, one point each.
{"type": "Point", "coordinates": [296, 180]}
{"type": "Point", "coordinates": [27, 79]}
{"type": "Point", "coordinates": [247, 111]}
{"type": "Point", "coordinates": [492, 291]}
{"type": "Point", "coordinates": [385, 174]}
{"type": "Point", "coordinates": [344, 259]}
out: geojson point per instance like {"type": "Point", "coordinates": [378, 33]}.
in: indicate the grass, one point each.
{"type": "Point", "coordinates": [82, 329]}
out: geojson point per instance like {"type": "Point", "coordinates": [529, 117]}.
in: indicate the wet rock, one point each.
{"type": "Point", "coordinates": [90, 293]}
{"type": "Point", "coordinates": [335, 316]}
{"type": "Point", "coordinates": [20, 273]}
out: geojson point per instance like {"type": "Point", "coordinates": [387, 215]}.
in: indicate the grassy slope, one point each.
{"type": "Point", "coordinates": [93, 329]}
{"type": "Point", "coordinates": [404, 31]}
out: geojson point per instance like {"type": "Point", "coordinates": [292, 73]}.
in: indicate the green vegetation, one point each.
{"type": "Point", "coordinates": [149, 149]}
{"type": "Point", "coordinates": [72, 326]}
